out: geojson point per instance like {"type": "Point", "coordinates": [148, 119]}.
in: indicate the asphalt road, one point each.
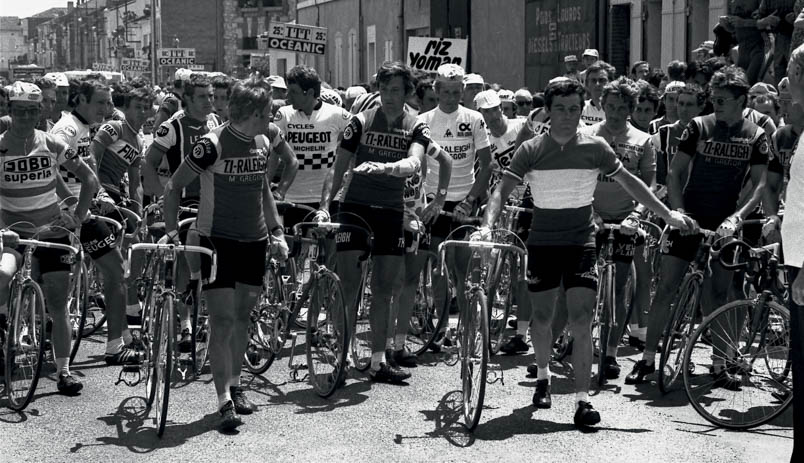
{"type": "Point", "coordinates": [373, 422]}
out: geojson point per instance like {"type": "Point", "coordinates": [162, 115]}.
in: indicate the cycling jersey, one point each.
{"type": "Point", "coordinates": [77, 133]}
{"type": "Point", "coordinates": [783, 145]}
{"type": "Point", "coordinates": [721, 158]}
{"type": "Point", "coordinates": [5, 123]}
{"type": "Point", "coordinates": [539, 121]}
{"type": "Point", "coordinates": [762, 120]}
{"type": "Point", "coordinates": [563, 181]}
{"type": "Point", "coordinates": [502, 151]}
{"type": "Point", "coordinates": [634, 150]}
{"type": "Point", "coordinates": [592, 113]}
{"type": "Point", "coordinates": [665, 144]}
{"type": "Point", "coordinates": [171, 104]}
{"type": "Point", "coordinates": [314, 139]}
{"type": "Point", "coordinates": [655, 124]}
{"type": "Point", "coordinates": [461, 134]}
{"type": "Point", "coordinates": [232, 167]}
{"type": "Point", "coordinates": [123, 150]}
{"type": "Point", "coordinates": [176, 137]}
{"type": "Point", "coordinates": [28, 179]}
{"type": "Point", "coordinates": [371, 137]}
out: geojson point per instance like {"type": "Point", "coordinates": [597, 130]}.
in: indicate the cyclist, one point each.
{"type": "Point", "coordinates": [647, 104]}
{"type": "Point", "coordinates": [221, 89]}
{"type": "Point", "coordinates": [716, 152]}
{"type": "Point", "coordinates": [670, 99]}
{"type": "Point", "coordinates": [28, 194]}
{"type": "Point", "coordinates": [461, 132]}
{"type": "Point", "coordinates": [172, 101]}
{"type": "Point", "coordinates": [613, 204]}
{"type": "Point", "coordinates": [237, 216]}
{"type": "Point", "coordinates": [596, 77]}
{"type": "Point", "coordinates": [387, 144]}
{"type": "Point", "coordinates": [91, 99]}
{"type": "Point", "coordinates": [561, 240]}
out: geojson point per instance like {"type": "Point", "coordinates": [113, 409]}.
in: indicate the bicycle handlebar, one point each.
{"type": "Point", "coordinates": [465, 220]}
{"type": "Point", "coordinates": [163, 245]}
{"type": "Point", "coordinates": [46, 244]}
{"type": "Point", "coordinates": [754, 254]}
{"type": "Point", "coordinates": [523, 254]}
{"type": "Point", "coordinates": [302, 227]}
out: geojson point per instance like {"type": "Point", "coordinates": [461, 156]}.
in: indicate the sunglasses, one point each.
{"type": "Point", "coordinates": [524, 103]}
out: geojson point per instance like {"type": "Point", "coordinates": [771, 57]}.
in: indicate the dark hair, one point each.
{"type": "Point", "coordinates": [119, 91]}
{"type": "Point", "coordinates": [733, 79]}
{"type": "Point", "coordinates": [391, 69]}
{"type": "Point", "coordinates": [600, 65]}
{"type": "Point", "coordinates": [538, 100]}
{"type": "Point", "coordinates": [137, 93]}
{"type": "Point", "coordinates": [694, 89]}
{"type": "Point", "coordinates": [249, 95]}
{"type": "Point", "coordinates": [225, 82]}
{"type": "Point", "coordinates": [85, 87]}
{"type": "Point", "coordinates": [637, 64]}
{"type": "Point", "coordinates": [647, 92]}
{"type": "Point", "coordinates": [45, 83]}
{"type": "Point", "coordinates": [624, 88]}
{"type": "Point", "coordinates": [196, 81]}
{"type": "Point", "coordinates": [305, 77]}
{"type": "Point", "coordinates": [656, 77]}
{"type": "Point", "coordinates": [139, 81]}
{"type": "Point", "coordinates": [676, 70]}
{"type": "Point", "coordinates": [3, 92]}
{"type": "Point", "coordinates": [422, 86]}
{"type": "Point", "coordinates": [563, 87]}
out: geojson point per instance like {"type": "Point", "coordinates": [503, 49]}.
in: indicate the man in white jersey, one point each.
{"type": "Point", "coordinates": [461, 132]}
{"type": "Point", "coordinates": [596, 77]}
{"type": "Point", "coordinates": [92, 99]}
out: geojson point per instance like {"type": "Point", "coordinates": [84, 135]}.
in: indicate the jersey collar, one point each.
{"type": "Point", "coordinates": [238, 134]}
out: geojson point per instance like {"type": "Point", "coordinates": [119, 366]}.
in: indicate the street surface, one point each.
{"type": "Point", "coordinates": [373, 422]}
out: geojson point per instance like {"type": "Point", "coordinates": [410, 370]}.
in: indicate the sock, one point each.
{"type": "Point", "coordinates": [399, 341]}
{"type": "Point", "coordinates": [522, 327]}
{"type": "Point", "coordinates": [389, 343]}
{"type": "Point", "coordinates": [634, 328]}
{"type": "Point", "coordinates": [133, 310]}
{"type": "Point", "coordinates": [195, 275]}
{"type": "Point", "coordinates": [114, 346]}
{"type": "Point", "coordinates": [612, 351]}
{"type": "Point", "coordinates": [187, 325]}
{"type": "Point", "coordinates": [234, 381]}
{"type": "Point", "coordinates": [63, 366]}
{"type": "Point", "coordinates": [581, 396]}
{"type": "Point", "coordinates": [376, 360]}
{"type": "Point", "coordinates": [543, 373]}
{"type": "Point", "coordinates": [127, 338]}
{"type": "Point", "coordinates": [641, 333]}
{"type": "Point", "coordinates": [223, 398]}
{"type": "Point", "coordinates": [649, 357]}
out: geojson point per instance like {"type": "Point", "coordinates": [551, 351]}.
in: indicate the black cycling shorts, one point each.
{"type": "Point", "coordinates": [685, 247]}
{"type": "Point", "coordinates": [238, 262]}
{"type": "Point", "coordinates": [548, 266]}
{"type": "Point", "coordinates": [98, 238]}
{"type": "Point", "coordinates": [624, 245]}
{"type": "Point", "coordinates": [385, 224]}
{"type": "Point", "coordinates": [51, 260]}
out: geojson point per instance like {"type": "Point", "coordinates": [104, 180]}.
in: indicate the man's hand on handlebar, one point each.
{"type": "Point", "coordinates": [771, 230]}
{"type": "Point", "coordinates": [279, 247]}
{"type": "Point", "coordinates": [729, 226]}
{"type": "Point", "coordinates": [630, 225]}
{"type": "Point", "coordinates": [481, 234]}
{"type": "Point", "coordinates": [432, 210]}
{"type": "Point", "coordinates": [683, 222]}
{"type": "Point", "coordinates": [321, 216]}
{"type": "Point", "coordinates": [463, 209]}
{"type": "Point", "coordinates": [173, 237]}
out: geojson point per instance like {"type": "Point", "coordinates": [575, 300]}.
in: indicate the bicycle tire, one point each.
{"type": "Point", "coordinates": [678, 331]}
{"type": "Point", "coordinates": [327, 337]}
{"type": "Point", "coordinates": [474, 356]}
{"type": "Point", "coordinates": [149, 331]}
{"type": "Point", "coordinates": [163, 363]}
{"type": "Point", "coordinates": [76, 301]}
{"type": "Point", "coordinates": [761, 404]}
{"type": "Point", "coordinates": [267, 327]}
{"type": "Point", "coordinates": [200, 333]}
{"type": "Point", "coordinates": [563, 345]}
{"type": "Point", "coordinates": [298, 278]}
{"type": "Point", "coordinates": [426, 320]}
{"type": "Point", "coordinates": [95, 309]}
{"type": "Point", "coordinates": [500, 297]}
{"type": "Point", "coordinates": [606, 309]}
{"type": "Point", "coordinates": [360, 336]}
{"type": "Point", "coordinates": [24, 359]}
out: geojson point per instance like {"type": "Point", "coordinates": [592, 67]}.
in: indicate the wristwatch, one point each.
{"type": "Point", "coordinates": [442, 192]}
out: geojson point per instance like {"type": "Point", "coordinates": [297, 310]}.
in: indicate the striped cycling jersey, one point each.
{"type": "Point", "coordinates": [783, 145]}
{"type": "Point", "coordinates": [502, 151]}
{"type": "Point", "coordinates": [28, 179]}
{"type": "Point", "coordinates": [461, 134]}
{"type": "Point", "coordinates": [77, 133]}
{"type": "Point", "coordinates": [314, 139]}
{"type": "Point", "coordinates": [762, 120]}
{"type": "Point", "coordinates": [373, 138]}
{"type": "Point", "coordinates": [665, 144]}
{"type": "Point", "coordinates": [123, 150]}
{"type": "Point", "coordinates": [563, 179]}
{"type": "Point", "coordinates": [656, 124]}
{"type": "Point", "coordinates": [233, 168]}
{"type": "Point", "coordinates": [721, 158]}
{"type": "Point", "coordinates": [176, 136]}
{"type": "Point", "coordinates": [592, 113]}
{"type": "Point", "coordinates": [635, 152]}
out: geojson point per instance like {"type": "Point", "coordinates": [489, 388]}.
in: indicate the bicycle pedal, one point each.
{"type": "Point", "coordinates": [292, 355]}
{"type": "Point", "coordinates": [495, 372]}
{"type": "Point", "coordinates": [129, 370]}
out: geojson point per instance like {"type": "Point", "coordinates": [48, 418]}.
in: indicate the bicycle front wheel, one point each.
{"type": "Point", "coordinates": [605, 319]}
{"type": "Point", "coordinates": [474, 356]}
{"type": "Point", "coordinates": [427, 318]}
{"type": "Point", "coordinates": [163, 363]}
{"type": "Point", "coordinates": [95, 307]}
{"type": "Point", "coordinates": [267, 327]}
{"type": "Point", "coordinates": [744, 338]}
{"type": "Point", "coordinates": [76, 302]}
{"type": "Point", "coordinates": [500, 298]}
{"type": "Point", "coordinates": [327, 336]}
{"type": "Point", "coordinates": [678, 331]}
{"type": "Point", "coordinates": [25, 343]}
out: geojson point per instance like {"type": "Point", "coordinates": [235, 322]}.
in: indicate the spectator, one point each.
{"type": "Point", "coordinates": [590, 56]}
{"type": "Point", "coordinates": [640, 71]}
{"type": "Point", "coordinates": [425, 93]}
{"type": "Point", "coordinates": [571, 67]}
{"type": "Point", "coordinates": [704, 50]}
{"type": "Point", "coordinates": [798, 25]}
{"type": "Point", "coordinates": [507, 103]}
{"type": "Point", "coordinates": [472, 85]}
{"type": "Point", "coordinates": [778, 17]}
{"type": "Point", "coordinates": [524, 102]}
{"type": "Point", "coordinates": [746, 29]}
{"type": "Point", "coordinates": [3, 101]}
{"type": "Point", "coordinates": [676, 70]}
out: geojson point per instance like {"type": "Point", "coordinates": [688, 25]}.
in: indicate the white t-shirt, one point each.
{"type": "Point", "coordinates": [314, 139]}
{"type": "Point", "coordinates": [592, 113]}
{"type": "Point", "coordinates": [460, 133]}
{"type": "Point", "coordinates": [793, 223]}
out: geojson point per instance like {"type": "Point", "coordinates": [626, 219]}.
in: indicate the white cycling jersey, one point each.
{"type": "Point", "coordinates": [592, 113]}
{"type": "Point", "coordinates": [460, 133]}
{"type": "Point", "coordinates": [502, 151]}
{"type": "Point", "coordinates": [73, 130]}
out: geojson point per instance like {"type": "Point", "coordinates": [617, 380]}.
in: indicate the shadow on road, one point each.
{"type": "Point", "coordinates": [130, 421]}
{"type": "Point", "coordinates": [448, 419]}
{"type": "Point", "coordinates": [307, 400]}
{"type": "Point", "coordinates": [14, 417]}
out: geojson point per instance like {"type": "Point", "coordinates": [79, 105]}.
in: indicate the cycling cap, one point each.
{"type": "Point", "coordinates": [591, 52]}
{"type": "Point", "coordinates": [674, 87]}
{"type": "Point", "coordinates": [761, 88]}
{"type": "Point", "coordinates": [182, 74]}
{"type": "Point", "coordinates": [470, 79]}
{"type": "Point", "coordinates": [506, 95]}
{"type": "Point", "coordinates": [487, 99]}
{"type": "Point", "coordinates": [784, 88]}
{"type": "Point", "coordinates": [278, 82]}
{"type": "Point", "coordinates": [570, 59]}
{"type": "Point", "coordinates": [354, 92]}
{"type": "Point", "coordinates": [450, 73]}
{"type": "Point", "coordinates": [558, 79]}
{"type": "Point", "coordinates": [59, 78]}
{"type": "Point", "coordinates": [331, 96]}
{"type": "Point", "coordinates": [24, 91]}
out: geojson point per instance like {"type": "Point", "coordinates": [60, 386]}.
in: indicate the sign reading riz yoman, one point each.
{"type": "Point", "coordinates": [131, 64]}
{"type": "Point", "coordinates": [297, 37]}
{"type": "Point", "coordinates": [428, 53]}
{"type": "Point", "coordinates": [182, 57]}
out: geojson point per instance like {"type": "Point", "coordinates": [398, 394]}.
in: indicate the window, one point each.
{"type": "Point", "coordinates": [371, 55]}
{"type": "Point", "coordinates": [389, 50]}
{"type": "Point", "coordinates": [249, 43]}
{"type": "Point", "coordinates": [352, 74]}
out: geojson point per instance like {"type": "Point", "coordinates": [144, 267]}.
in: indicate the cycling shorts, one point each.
{"type": "Point", "coordinates": [549, 266]}
{"type": "Point", "coordinates": [424, 241]}
{"type": "Point", "coordinates": [98, 238]}
{"type": "Point", "coordinates": [685, 247]}
{"type": "Point", "coordinates": [624, 245]}
{"type": "Point", "coordinates": [238, 262]}
{"type": "Point", "coordinates": [385, 224]}
{"type": "Point", "coordinates": [51, 260]}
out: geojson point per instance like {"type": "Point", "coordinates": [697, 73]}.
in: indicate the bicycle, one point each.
{"type": "Point", "coordinates": [473, 323]}
{"type": "Point", "coordinates": [751, 338]}
{"type": "Point", "coordinates": [159, 320]}
{"type": "Point", "coordinates": [24, 344]}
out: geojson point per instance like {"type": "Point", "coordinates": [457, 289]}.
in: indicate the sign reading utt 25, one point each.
{"type": "Point", "coordinates": [428, 53]}
{"type": "Point", "coordinates": [297, 37]}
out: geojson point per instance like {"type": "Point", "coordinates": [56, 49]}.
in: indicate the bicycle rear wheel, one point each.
{"type": "Point", "coordinates": [266, 332]}
{"type": "Point", "coordinates": [95, 308]}
{"type": "Point", "coordinates": [25, 343]}
{"type": "Point", "coordinates": [149, 331]}
{"type": "Point", "coordinates": [361, 331]}
{"type": "Point", "coordinates": [474, 355]}
{"type": "Point", "coordinates": [740, 341]}
{"type": "Point", "coordinates": [76, 302]}
{"type": "Point", "coordinates": [327, 335]}
{"type": "Point", "coordinates": [427, 319]}
{"type": "Point", "coordinates": [605, 318]}
{"type": "Point", "coordinates": [500, 298]}
{"type": "Point", "coordinates": [163, 363]}
{"type": "Point", "coordinates": [200, 333]}
{"type": "Point", "coordinates": [677, 332]}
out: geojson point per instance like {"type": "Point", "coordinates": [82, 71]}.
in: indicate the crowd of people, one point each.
{"type": "Point", "coordinates": [698, 145]}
